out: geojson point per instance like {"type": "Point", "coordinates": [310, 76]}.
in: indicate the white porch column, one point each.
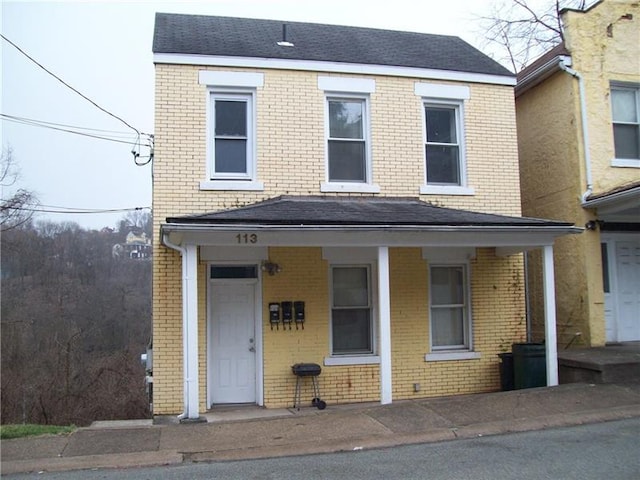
{"type": "Point", "coordinates": [190, 330]}
{"type": "Point", "coordinates": [550, 316]}
{"type": "Point", "coordinates": [384, 308]}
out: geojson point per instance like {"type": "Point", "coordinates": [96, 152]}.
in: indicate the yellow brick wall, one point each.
{"type": "Point", "coordinates": [498, 317]}
{"type": "Point", "coordinates": [291, 160]}
{"type": "Point", "coordinates": [552, 161]}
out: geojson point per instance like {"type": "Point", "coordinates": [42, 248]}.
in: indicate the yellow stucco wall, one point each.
{"type": "Point", "coordinates": [552, 161]}
{"type": "Point", "coordinates": [291, 160]}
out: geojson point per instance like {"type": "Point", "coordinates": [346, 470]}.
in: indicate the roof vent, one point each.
{"type": "Point", "coordinates": [284, 42]}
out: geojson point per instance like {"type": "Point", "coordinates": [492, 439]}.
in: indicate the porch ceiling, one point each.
{"type": "Point", "coordinates": [362, 221]}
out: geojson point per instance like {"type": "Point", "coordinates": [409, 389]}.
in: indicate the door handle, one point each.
{"type": "Point", "coordinates": [252, 348]}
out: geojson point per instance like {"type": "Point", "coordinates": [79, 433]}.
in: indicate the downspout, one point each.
{"type": "Point", "coordinates": [183, 255]}
{"type": "Point", "coordinates": [565, 65]}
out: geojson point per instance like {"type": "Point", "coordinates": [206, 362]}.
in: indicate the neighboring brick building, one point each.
{"type": "Point", "coordinates": [372, 175]}
{"type": "Point", "coordinates": [578, 111]}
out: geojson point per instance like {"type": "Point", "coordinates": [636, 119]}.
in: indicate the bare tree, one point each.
{"type": "Point", "coordinates": [18, 207]}
{"type": "Point", "coordinates": [521, 30]}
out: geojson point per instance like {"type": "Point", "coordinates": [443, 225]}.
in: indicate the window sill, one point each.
{"type": "Point", "coordinates": [334, 187]}
{"type": "Point", "coordinates": [352, 360]}
{"type": "Point", "coordinates": [445, 190]}
{"type": "Point", "coordinates": [451, 356]}
{"type": "Point", "coordinates": [232, 185]}
{"type": "Point", "coordinates": [626, 162]}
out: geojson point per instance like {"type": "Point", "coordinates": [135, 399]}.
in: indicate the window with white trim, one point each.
{"type": "Point", "coordinates": [351, 310]}
{"type": "Point", "coordinates": [231, 130]}
{"type": "Point", "coordinates": [232, 135]}
{"type": "Point", "coordinates": [347, 148]}
{"type": "Point", "coordinates": [625, 114]}
{"type": "Point", "coordinates": [450, 325]}
{"type": "Point", "coordinates": [443, 144]}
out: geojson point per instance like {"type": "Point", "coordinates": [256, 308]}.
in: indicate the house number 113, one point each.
{"type": "Point", "coordinates": [247, 238]}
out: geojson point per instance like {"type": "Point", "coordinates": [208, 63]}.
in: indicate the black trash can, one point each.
{"type": "Point", "coordinates": [506, 371]}
{"type": "Point", "coordinates": [529, 365]}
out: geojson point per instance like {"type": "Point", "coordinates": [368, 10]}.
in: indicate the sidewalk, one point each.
{"type": "Point", "coordinates": [257, 433]}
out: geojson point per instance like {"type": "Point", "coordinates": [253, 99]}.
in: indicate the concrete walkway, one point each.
{"type": "Point", "coordinates": [257, 433]}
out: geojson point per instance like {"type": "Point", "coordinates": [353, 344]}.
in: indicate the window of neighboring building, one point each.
{"type": "Point", "coordinates": [346, 142]}
{"type": "Point", "coordinates": [625, 112]}
{"type": "Point", "coordinates": [449, 309]}
{"type": "Point", "coordinates": [351, 311]}
{"type": "Point", "coordinates": [443, 149]}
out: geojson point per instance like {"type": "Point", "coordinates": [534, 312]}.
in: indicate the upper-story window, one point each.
{"type": "Point", "coordinates": [233, 136]}
{"type": "Point", "coordinates": [442, 150]}
{"type": "Point", "coordinates": [231, 130]}
{"type": "Point", "coordinates": [346, 144]}
{"type": "Point", "coordinates": [625, 113]}
{"type": "Point", "coordinates": [347, 134]}
{"type": "Point", "coordinates": [445, 163]}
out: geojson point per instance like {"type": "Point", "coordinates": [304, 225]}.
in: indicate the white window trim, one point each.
{"type": "Point", "coordinates": [357, 89]}
{"type": "Point", "coordinates": [356, 358]}
{"type": "Point", "coordinates": [230, 79]}
{"type": "Point", "coordinates": [347, 84]}
{"type": "Point", "coordinates": [444, 189]}
{"type": "Point", "coordinates": [625, 162]}
{"type": "Point", "coordinates": [352, 360]}
{"type": "Point", "coordinates": [248, 185]}
{"type": "Point", "coordinates": [247, 96]}
{"type": "Point", "coordinates": [342, 186]}
{"type": "Point", "coordinates": [452, 353]}
{"type": "Point", "coordinates": [451, 356]}
{"type": "Point", "coordinates": [438, 91]}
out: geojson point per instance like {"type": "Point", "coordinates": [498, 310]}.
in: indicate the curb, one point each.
{"type": "Point", "coordinates": [172, 457]}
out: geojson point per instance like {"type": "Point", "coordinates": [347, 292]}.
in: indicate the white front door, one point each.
{"type": "Point", "coordinates": [232, 360]}
{"type": "Point", "coordinates": [628, 294]}
{"type": "Point", "coordinates": [622, 289]}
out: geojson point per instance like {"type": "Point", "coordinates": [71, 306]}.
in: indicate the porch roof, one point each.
{"type": "Point", "coordinates": [317, 220]}
{"type": "Point", "coordinates": [315, 210]}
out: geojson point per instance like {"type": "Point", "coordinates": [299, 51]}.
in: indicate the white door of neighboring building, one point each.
{"type": "Point", "coordinates": [232, 347]}
{"type": "Point", "coordinates": [622, 300]}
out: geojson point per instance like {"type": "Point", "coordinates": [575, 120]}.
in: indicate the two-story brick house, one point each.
{"type": "Point", "coordinates": [371, 175]}
{"type": "Point", "coordinates": [578, 113]}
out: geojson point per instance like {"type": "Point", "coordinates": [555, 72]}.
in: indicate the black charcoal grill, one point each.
{"type": "Point", "coordinates": [301, 370]}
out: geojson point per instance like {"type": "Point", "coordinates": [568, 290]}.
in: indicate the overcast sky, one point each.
{"type": "Point", "coordinates": [103, 49]}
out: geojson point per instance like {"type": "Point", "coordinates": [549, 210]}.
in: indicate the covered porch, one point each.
{"type": "Point", "coordinates": [357, 258]}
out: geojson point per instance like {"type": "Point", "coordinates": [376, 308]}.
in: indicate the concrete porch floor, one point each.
{"type": "Point", "coordinates": [611, 363]}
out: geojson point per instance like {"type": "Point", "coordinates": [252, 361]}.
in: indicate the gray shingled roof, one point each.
{"type": "Point", "coordinates": [314, 210]}
{"type": "Point", "coordinates": [245, 37]}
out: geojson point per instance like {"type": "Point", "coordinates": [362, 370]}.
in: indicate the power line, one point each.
{"type": "Point", "coordinates": [67, 85]}
{"type": "Point", "coordinates": [65, 210]}
{"type": "Point", "coordinates": [37, 123]}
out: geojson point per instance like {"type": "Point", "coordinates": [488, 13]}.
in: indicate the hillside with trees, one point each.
{"type": "Point", "coordinates": [74, 320]}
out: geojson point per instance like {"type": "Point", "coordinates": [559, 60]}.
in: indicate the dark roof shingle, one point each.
{"type": "Point", "coordinates": [245, 37]}
{"type": "Point", "coordinates": [374, 211]}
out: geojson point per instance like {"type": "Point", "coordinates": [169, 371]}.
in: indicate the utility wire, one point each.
{"type": "Point", "coordinates": [88, 211]}
{"type": "Point", "coordinates": [67, 85]}
{"type": "Point", "coordinates": [35, 123]}
{"type": "Point", "coordinates": [54, 124]}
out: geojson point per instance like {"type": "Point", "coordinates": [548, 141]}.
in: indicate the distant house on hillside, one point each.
{"type": "Point", "coordinates": [334, 195]}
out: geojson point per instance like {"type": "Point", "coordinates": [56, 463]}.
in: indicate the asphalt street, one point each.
{"type": "Point", "coordinates": [608, 450]}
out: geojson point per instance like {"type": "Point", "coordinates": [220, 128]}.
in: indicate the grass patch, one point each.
{"type": "Point", "coordinates": [29, 430]}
